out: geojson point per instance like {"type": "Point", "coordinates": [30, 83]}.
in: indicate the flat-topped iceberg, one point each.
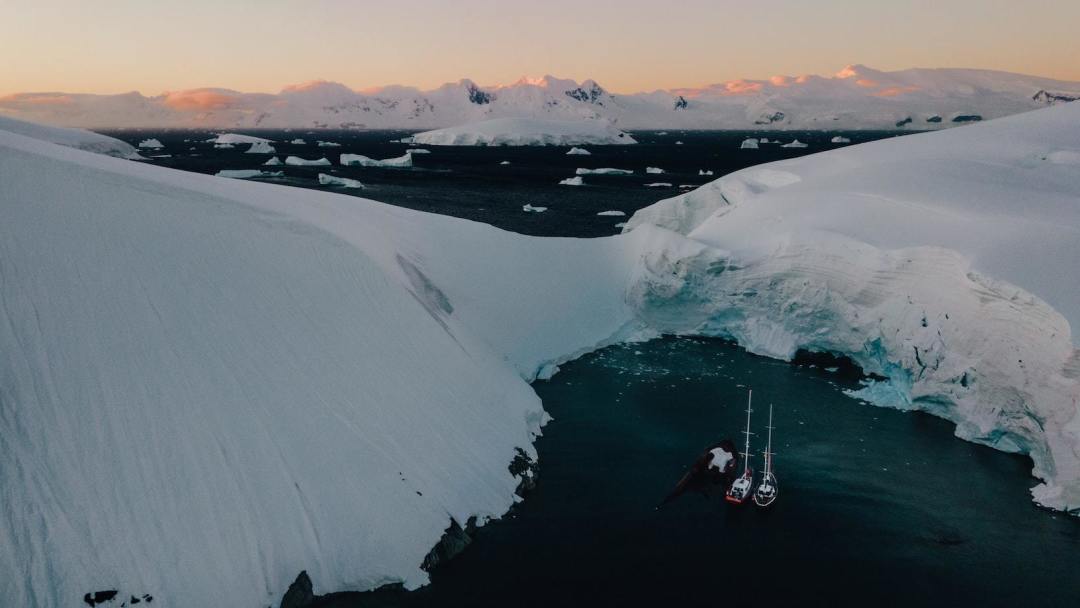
{"type": "Point", "coordinates": [749, 143]}
{"type": "Point", "coordinates": [326, 179]}
{"type": "Point", "coordinates": [524, 132]}
{"type": "Point", "coordinates": [360, 160]}
{"type": "Point", "coordinates": [604, 171]}
{"type": "Point", "coordinates": [237, 138]}
{"type": "Point", "coordinates": [296, 161]}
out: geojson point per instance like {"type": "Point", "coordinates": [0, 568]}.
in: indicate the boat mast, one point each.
{"type": "Point", "coordinates": [768, 446]}
{"type": "Point", "coordinates": [746, 452]}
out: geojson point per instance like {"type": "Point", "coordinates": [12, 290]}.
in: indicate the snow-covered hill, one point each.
{"type": "Point", "coordinates": [855, 98]}
{"type": "Point", "coordinates": [208, 385]}
{"type": "Point", "coordinates": [947, 262]}
{"type": "Point", "coordinates": [524, 132]}
{"type": "Point", "coordinates": [72, 138]}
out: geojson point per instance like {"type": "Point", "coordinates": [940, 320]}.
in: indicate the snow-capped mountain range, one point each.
{"type": "Point", "coordinates": [857, 97]}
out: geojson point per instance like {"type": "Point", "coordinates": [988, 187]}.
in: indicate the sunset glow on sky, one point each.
{"type": "Point", "coordinates": [113, 46]}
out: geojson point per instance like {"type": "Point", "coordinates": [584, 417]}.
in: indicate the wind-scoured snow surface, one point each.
{"type": "Point", "coordinates": [856, 97]}
{"type": "Point", "coordinates": [524, 132]}
{"type": "Point", "coordinates": [72, 138]}
{"type": "Point", "coordinates": [946, 262]}
{"type": "Point", "coordinates": [209, 385]}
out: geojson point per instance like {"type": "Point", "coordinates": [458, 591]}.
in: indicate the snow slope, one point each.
{"type": "Point", "coordinates": [72, 138]}
{"type": "Point", "coordinates": [946, 262]}
{"type": "Point", "coordinates": [857, 97]}
{"type": "Point", "coordinates": [208, 385]}
{"type": "Point", "coordinates": [524, 132]}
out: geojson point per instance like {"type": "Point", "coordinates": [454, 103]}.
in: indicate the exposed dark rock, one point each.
{"type": "Point", "coordinates": [299, 594]}
{"type": "Point", "coordinates": [934, 118]}
{"type": "Point", "coordinates": [592, 94]}
{"type": "Point", "coordinates": [901, 123]}
{"type": "Point", "coordinates": [478, 96]}
{"type": "Point", "coordinates": [1044, 96]}
{"type": "Point", "coordinates": [453, 541]}
{"type": "Point", "coordinates": [524, 468]}
{"type": "Point", "coordinates": [681, 103]}
{"type": "Point", "coordinates": [768, 119]}
{"type": "Point", "coordinates": [967, 118]}
{"type": "Point", "coordinates": [99, 597]}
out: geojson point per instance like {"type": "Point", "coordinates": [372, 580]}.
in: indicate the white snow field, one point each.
{"type": "Point", "coordinates": [209, 385]}
{"type": "Point", "coordinates": [524, 132]}
{"type": "Point", "coordinates": [856, 97]}
{"type": "Point", "coordinates": [72, 138]}
{"type": "Point", "coordinates": [946, 262]}
{"type": "Point", "coordinates": [360, 160]}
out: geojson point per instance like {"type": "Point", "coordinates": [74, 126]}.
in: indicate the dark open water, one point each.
{"type": "Point", "coordinates": [876, 507]}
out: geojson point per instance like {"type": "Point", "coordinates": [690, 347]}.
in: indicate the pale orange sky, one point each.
{"type": "Point", "coordinates": [111, 46]}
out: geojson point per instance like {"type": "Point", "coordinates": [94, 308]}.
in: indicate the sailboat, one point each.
{"type": "Point", "coordinates": [741, 487]}
{"type": "Point", "coordinates": [767, 489]}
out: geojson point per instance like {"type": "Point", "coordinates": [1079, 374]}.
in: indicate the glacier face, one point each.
{"type": "Point", "coordinates": [945, 262]}
{"type": "Point", "coordinates": [858, 97]}
{"type": "Point", "coordinates": [208, 385]}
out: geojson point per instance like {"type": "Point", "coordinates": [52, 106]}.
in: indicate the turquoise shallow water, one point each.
{"type": "Point", "coordinates": [876, 506]}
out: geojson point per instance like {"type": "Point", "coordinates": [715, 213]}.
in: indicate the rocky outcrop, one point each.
{"type": "Point", "coordinates": [300, 593]}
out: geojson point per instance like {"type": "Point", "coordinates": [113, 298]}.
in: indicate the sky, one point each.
{"type": "Point", "coordinates": [114, 46]}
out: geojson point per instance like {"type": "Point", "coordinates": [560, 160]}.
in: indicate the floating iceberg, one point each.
{"type": "Point", "coordinates": [332, 180]}
{"type": "Point", "coordinates": [572, 181]}
{"type": "Point", "coordinates": [532, 209]}
{"type": "Point", "coordinates": [224, 146]}
{"type": "Point", "coordinates": [656, 170]}
{"type": "Point", "coordinates": [417, 151]}
{"type": "Point", "coordinates": [273, 162]}
{"type": "Point", "coordinates": [704, 172]}
{"type": "Point", "coordinates": [260, 147]}
{"type": "Point", "coordinates": [303, 162]}
{"type": "Point", "coordinates": [839, 139]}
{"type": "Point", "coordinates": [359, 160]}
{"type": "Point", "coordinates": [794, 144]}
{"type": "Point", "coordinates": [749, 144]}
{"type": "Point", "coordinates": [247, 173]}
{"type": "Point", "coordinates": [524, 132]}
{"type": "Point", "coordinates": [329, 144]}
{"type": "Point", "coordinates": [578, 152]}
{"type": "Point", "coordinates": [658, 185]}
{"type": "Point", "coordinates": [604, 171]}
{"type": "Point", "coordinates": [238, 138]}
{"type": "Point", "coordinates": [505, 162]}
{"type": "Point", "coordinates": [151, 143]}
{"type": "Point", "coordinates": [298, 142]}
{"type": "Point", "coordinates": [612, 213]}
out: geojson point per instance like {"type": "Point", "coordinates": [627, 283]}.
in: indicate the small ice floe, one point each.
{"type": "Point", "coordinates": [273, 162]}
{"type": "Point", "coordinates": [298, 142]}
{"type": "Point", "coordinates": [360, 160]}
{"type": "Point", "coordinates": [840, 140]}
{"type": "Point", "coordinates": [704, 172]}
{"type": "Point", "coordinates": [688, 185]}
{"type": "Point", "coordinates": [604, 171]}
{"type": "Point", "coordinates": [750, 143]}
{"type": "Point", "coordinates": [161, 156]}
{"type": "Point", "coordinates": [655, 170]}
{"type": "Point", "coordinates": [621, 225]}
{"type": "Point", "coordinates": [658, 185]}
{"type": "Point", "coordinates": [578, 152]}
{"type": "Point", "coordinates": [765, 140]}
{"type": "Point", "coordinates": [794, 144]}
{"type": "Point", "coordinates": [332, 180]}
{"type": "Point", "coordinates": [572, 181]}
{"type": "Point", "coordinates": [417, 151]}
{"type": "Point", "coordinates": [151, 143]}
{"type": "Point", "coordinates": [531, 209]}
{"type": "Point", "coordinates": [260, 147]}
{"type": "Point", "coordinates": [224, 146]}
{"type": "Point", "coordinates": [612, 213]}
{"type": "Point", "coordinates": [248, 173]}
{"type": "Point", "coordinates": [505, 162]}
{"type": "Point", "coordinates": [329, 144]}
{"type": "Point", "coordinates": [296, 161]}
{"type": "Point", "coordinates": [678, 143]}
{"type": "Point", "coordinates": [662, 133]}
